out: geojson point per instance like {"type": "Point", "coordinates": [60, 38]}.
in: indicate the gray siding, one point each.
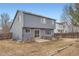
{"type": "Point", "coordinates": [17, 27]}
{"type": "Point", "coordinates": [42, 33]}
{"type": "Point", "coordinates": [35, 22]}
{"type": "Point", "coordinates": [27, 35]}
{"type": "Point", "coordinates": [31, 34]}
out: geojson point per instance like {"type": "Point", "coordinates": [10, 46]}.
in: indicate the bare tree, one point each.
{"type": "Point", "coordinates": [67, 19]}
{"type": "Point", "coordinates": [71, 15]}
{"type": "Point", "coordinates": [5, 19]}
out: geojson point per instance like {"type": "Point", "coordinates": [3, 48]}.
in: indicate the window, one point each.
{"type": "Point", "coordinates": [27, 30]}
{"type": "Point", "coordinates": [48, 32]}
{"type": "Point", "coordinates": [60, 31]}
{"type": "Point", "coordinates": [43, 20]}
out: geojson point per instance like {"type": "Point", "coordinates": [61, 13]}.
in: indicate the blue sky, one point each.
{"type": "Point", "coordinates": [52, 10]}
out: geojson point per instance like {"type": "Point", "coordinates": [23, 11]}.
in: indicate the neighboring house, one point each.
{"type": "Point", "coordinates": [60, 27]}
{"type": "Point", "coordinates": [27, 25]}
{"type": "Point", "coordinates": [63, 27]}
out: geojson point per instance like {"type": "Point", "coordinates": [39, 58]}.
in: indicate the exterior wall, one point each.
{"type": "Point", "coordinates": [17, 27]}
{"type": "Point", "coordinates": [35, 22]}
{"type": "Point", "coordinates": [59, 27]}
{"type": "Point", "coordinates": [44, 34]}
{"type": "Point", "coordinates": [27, 35]}
{"type": "Point", "coordinates": [68, 28]}
{"type": "Point", "coordinates": [31, 21]}
{"type": "Point", "coordinates": [31, 34]}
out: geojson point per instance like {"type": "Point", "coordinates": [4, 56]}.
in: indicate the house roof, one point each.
{"type": "Point", "coordinates": [25, 12]}
{"type": "Point", "coordinates": [30, 14]}
{"type": "Point", "coordinates": [60, 23]}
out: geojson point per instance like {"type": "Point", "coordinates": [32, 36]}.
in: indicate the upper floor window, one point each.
{"type": "Point", "coordinates": [43, 20]}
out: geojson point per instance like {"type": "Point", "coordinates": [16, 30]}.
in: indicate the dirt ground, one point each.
{"type": "Point", "coordinates": [12, 48]}
{"type": "Point", "coordinates": [71, 51]}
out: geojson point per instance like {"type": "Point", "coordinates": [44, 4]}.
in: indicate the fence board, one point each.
{"type": "Point", "coordinates": [5, 36]}
{"type": "Point", "coordinates": [67, 35]}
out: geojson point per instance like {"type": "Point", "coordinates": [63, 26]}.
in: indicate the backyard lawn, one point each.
{"type": "Point", "coordinates": [71, 51]}
{"type": "Point", "coordinates": [12, 48]}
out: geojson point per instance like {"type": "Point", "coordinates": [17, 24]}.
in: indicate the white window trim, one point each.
{"type": "Point", "coordinates": [43, 20]}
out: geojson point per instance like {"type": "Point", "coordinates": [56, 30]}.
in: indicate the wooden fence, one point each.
{"type": "Point", "coordinates": [5, 36]}
{"type": "Point", "coordinates": [67, 35]}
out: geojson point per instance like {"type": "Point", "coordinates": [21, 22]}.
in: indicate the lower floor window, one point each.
{"type": "Point", "coordinates": [48, 31]}
{"type": "Point", "coordinates": [27, 30]}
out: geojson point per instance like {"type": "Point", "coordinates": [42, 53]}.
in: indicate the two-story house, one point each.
{"type": "Point", "coordinates": [59, 27]}
{"type": "Point", "coordinates": [27, 25]}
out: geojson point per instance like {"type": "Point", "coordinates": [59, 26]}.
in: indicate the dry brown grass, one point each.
{"type": "Point", "coordinates": [8, 47]}
{"type": "Point", "coordinates": [71, 51]}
